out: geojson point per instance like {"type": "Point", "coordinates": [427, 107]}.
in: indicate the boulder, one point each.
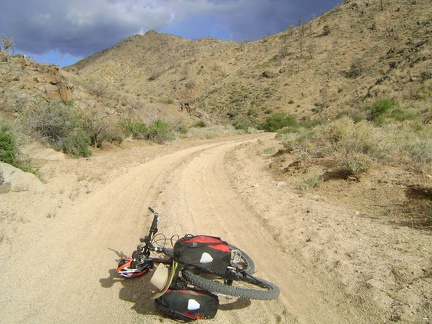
{"type": "Point", "coordinates": [14, 179]}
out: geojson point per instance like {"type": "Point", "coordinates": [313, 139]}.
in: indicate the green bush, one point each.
{"type": "Point", "coordinates": [380, 107]}
{"type": "Point", "coordinates": [160, 132]}
{"type": "Point", "coordinates": [9, 149]}
{"type": "Point", "coordinates": [356, 164]}
{"type": "Point", "coordinates": [77, 144]}
{"type": "Point", "coordinates": [277, 121]}
{"type": "Point", "coordinates": [135, 128]}
{"type": "Point", "coordinates": [242, 124]}
{"type": "Point", "coordinates": [8, 145]}
{"type": "Point", "coordinates": [199, 124]}
{"type": "Point", "coordinates": [402, 115]}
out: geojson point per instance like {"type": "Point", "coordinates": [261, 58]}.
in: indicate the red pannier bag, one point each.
{"type": "Point", "coordinates": [207, 252]}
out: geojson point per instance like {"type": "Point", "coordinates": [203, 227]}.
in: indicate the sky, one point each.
{"type": "Point", "coordinates": [62, 32]}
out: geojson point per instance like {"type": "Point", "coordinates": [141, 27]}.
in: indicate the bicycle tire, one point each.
{"type": "Point", "coordinates": [248, 264]}
{"type": "Point", "coordinates": [260, 289]}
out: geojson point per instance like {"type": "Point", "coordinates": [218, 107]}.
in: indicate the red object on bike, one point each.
{"type": "Point", "coordinates": [127, 269]}
{"type": "Point", "coordinates": [207, 252]}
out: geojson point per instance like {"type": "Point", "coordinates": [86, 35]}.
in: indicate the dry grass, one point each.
{"type": "Point", "coordinates": [406, 142]}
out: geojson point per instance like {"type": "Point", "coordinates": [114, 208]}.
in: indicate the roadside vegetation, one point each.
{"type": "Point", "coordinates": [10, 149]}
{"type": "Point", "coordinates": [376, 134]}
{"type": "Point", "coordinates": [381, 132]}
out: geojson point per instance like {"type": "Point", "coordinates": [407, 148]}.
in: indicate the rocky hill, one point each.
{"type": "Point", "coordinates": [361, 49]}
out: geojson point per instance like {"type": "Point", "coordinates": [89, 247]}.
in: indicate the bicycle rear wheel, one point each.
{"type": "Point", "coordinates": [245, 286]}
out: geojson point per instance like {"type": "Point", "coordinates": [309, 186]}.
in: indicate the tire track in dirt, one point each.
{"type": "Point", "coordinates": [218, 188]}
{"type": "Point", "coordinates": [74, 278]}
{"type": "Point", "coordinates": [206, 203]}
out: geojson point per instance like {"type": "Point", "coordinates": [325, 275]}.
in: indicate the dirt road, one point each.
{"type": "Point", "coordinates": [59, 249]}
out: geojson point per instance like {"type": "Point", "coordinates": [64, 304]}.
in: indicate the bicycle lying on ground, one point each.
{"type": "Point", "coordinates": [202, 264]}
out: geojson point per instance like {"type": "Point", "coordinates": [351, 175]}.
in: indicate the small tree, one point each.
{"type": "Point", "coordinates": [7, 43]}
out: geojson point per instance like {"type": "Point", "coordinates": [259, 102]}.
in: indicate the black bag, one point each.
{"type": "Point", "coordinates": [188, 304]}
{"type": "Point", "coordinates": [208, 252]}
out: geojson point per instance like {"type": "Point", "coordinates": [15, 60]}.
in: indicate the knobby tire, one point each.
{"type": "Point", "coordinates": [260, 289]}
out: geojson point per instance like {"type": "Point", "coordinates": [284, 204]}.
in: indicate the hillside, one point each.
{"type": "Point", "coordinates": [341, 198]}
{"type": "Point", "coordinates": [358, 50]}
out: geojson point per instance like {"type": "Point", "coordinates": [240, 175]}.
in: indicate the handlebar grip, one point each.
{"type": "Point", "coordinates": [152, 210]}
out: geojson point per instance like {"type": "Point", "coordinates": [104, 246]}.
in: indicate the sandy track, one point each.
{"type": "Point", "coordinates": [67, 241]}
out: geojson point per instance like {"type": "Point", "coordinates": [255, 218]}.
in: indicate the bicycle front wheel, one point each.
{"type": "Point", "coordinates": [245, 263]}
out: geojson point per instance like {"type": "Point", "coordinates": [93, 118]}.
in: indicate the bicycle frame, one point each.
{"type": "Point", "coordinates": [237, 280]}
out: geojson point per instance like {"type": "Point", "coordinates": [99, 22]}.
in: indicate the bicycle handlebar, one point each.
{"type": "Point", "coordinates": [153, 228]}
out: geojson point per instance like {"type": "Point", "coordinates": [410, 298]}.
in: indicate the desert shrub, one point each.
{"type": "Point", "coordinates": [180, 128]}
{"type": "Point", "coordinates": [418, 147]}
{"type": "Point", "coordinates": [8, 145]}
{"type": "Point", "coordinates": [243, 124]}
{"type": "Point", "coordinates": [212, 131]}
{"type": "Point", "coordinates": [102, 128]}
{"type": "Point", "coordinates": [55, 123]}
{"type": "Point", "coordinates": [298, 140]}
{"type": "Point", "coordinates": [134, 128]}
{"type": "Point", "coordinates": [346, 137]}
{"type": "Point", "coordinates": [326, 30]}
{"type": "Point", "coordinates": [380, 107]}
{"type": "Point", "coordinates": [309, 183]}
{"type": "Point", "coordinates": [98, 88]}
{"type": "Point", "coordinates": [160, 132]}
{"type": "Point", "coordinates": [51, 123]}
{"type": "Point", "coordinates": [311, 123]}
{"type": "Point", "coordinates": [202, 133]}
{"type": "Point", "coordinates": [7, 43]}
{"type": "Point", "coordinates": [356, 164]}
{"type": "Point", "coordinates": [199, 124]}
{"type": "Point", "coordinates": [77, 144]}
{"type": "Point", "coordinates": [402, 115]}
{"type": "Point", "coordinates": [277, 121]}
{"type": "Point", "coordinates": [288, 129]}
{"type": "Point", "coordinates": [9, 149]}
{"type": "Point", "coordinates": [357, 68]}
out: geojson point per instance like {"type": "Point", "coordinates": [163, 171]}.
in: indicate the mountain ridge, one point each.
{"type": "Point", "coordinates": [315, 70]}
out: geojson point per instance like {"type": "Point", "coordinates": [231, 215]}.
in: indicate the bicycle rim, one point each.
{"type": "Point", "coordinates": [246, 263]}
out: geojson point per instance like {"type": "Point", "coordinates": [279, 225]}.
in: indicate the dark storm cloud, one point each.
{"type": "Point", "coordinates": [82, 27]}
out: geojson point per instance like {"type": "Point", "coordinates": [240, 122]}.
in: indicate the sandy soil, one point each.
{"type": "Point", "coordinates": [59, 249]}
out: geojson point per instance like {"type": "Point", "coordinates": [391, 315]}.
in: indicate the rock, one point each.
{"type": "Point", "coordinates": [281, 184]}
{"type": "Point", "coordinates": [40, 152]}
{"type": "Point", "coordinates": [269, 74]}
{"type": "Point", "coordinates": [15, 179]}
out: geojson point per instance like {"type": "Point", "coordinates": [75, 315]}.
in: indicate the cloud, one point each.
{"type": "Point", "coordinates": [81, 27]}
